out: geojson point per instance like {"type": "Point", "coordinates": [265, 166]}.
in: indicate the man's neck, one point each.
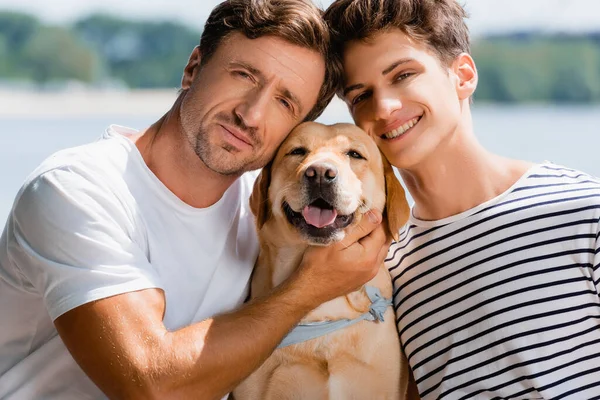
{"type": "Point", "coordinates": [461, 175]}
{"type": "Point", "coordinates": [169, 156]}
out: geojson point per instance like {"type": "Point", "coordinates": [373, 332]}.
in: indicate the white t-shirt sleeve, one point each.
{"type": "Point", "coordinates": [72, 239]}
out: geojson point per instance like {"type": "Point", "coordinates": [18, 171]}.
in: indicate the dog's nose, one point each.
{"type": "Point", "coordinates": [321, 173]}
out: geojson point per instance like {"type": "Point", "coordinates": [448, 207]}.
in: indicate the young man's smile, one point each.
{"type": "Point", "coordinates": [400, 129]}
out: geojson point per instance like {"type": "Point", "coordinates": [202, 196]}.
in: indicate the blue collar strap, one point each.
{"type": "Point", "coordinates": [311, 330]}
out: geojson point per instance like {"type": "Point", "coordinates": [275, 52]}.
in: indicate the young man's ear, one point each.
{"type": "Point", "coordinates": [466, 73]}
{"type": "Point", "coordinates": [191, 69]}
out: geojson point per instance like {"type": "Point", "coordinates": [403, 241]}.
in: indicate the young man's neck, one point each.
{"type": "Point", "coordinates": [461, 175]}
{"type": "Point", "coordinates": [170, 157]}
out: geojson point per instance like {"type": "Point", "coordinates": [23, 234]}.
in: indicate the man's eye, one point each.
{"type": "Point", "coordinates": [244, 75]}
{"type": "Point", "coordinates": [285, 103]}
{"type": "Point", "coordinates": [298, 151]}
{"type": "Point", "coordinates": [355, 154]}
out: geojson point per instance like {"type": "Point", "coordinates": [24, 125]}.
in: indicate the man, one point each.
{"type": "Point", "coordinates": [118, 254]}
{"type": "Point", "coordinates": [496, 276]}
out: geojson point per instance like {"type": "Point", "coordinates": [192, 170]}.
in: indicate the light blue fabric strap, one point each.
{"type": "Point", "coordinates": [311, 330]}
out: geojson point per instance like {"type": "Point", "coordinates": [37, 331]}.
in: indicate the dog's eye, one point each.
{"type": "Point", "coordinates": [355, 154]}
{"type": "Point", "coordinates": [298, 151]}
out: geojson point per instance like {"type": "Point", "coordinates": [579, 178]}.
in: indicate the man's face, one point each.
{"type": "Point", "coordinates": [246, 98]}
{"type": "Point", "coordinates": [400, 93]}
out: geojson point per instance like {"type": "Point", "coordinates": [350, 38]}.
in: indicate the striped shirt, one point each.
{"type": "Point", "coordinates": [501, 301]}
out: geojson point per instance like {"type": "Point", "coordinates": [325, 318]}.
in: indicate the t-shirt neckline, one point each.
{"type": "Point", "coordinates": [121, 133]}
{"type": "Point", "coordinates": [457, 217]}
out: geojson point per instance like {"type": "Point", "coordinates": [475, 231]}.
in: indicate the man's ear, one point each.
{"type": "Point", "coordinates": [396, 205]}
{"type": "Point", "coordinates": [259, 199]}
{"type": "Point", "coordinates": [466, 73]}
{"type": "Point", "coordinates": [191, 69]}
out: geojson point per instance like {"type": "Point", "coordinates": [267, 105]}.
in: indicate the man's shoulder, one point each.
{"type": "Point", "coordinates": [101, 161]}
{"type": "Point", "coordinates": [89, 175]}
{"type": "Point", "coordinates": [101, 156]}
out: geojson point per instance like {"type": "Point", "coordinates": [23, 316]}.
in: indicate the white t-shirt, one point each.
{"type": "Point", "coordinates": [93, 222]}
{"type": "Point", "coordinates": [502, 301]}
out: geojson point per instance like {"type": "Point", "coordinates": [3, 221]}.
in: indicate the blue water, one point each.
{"type": "Point", "coordinates": [563, 135]}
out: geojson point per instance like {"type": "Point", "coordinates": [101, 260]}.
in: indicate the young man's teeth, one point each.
{"type": "Point", "coordinates": [399, 131]}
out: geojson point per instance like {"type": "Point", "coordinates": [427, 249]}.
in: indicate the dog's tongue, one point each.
{"type": "Point", "coordinates": [318, 217]}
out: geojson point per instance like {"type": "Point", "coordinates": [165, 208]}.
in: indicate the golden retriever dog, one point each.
{"type": "Point", "coordinates": [321, 182]}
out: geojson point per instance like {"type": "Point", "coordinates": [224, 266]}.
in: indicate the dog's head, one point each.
{"type": "Point", "coordinates": [322, 181]}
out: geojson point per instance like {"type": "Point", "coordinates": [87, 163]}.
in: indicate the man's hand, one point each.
{"type": "Point", "coordinates": [122, 344]}
{"type": "Point", "coordinates": [328, 272]}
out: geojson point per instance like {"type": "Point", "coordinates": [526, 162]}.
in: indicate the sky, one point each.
{"type": "Point", "coordinates": [486, 16]}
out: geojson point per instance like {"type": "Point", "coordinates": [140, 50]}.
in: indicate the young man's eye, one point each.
{"type": "Point", "coordinates": [402, 76]}
{"type": "Point", "coordinates": [359, 98]}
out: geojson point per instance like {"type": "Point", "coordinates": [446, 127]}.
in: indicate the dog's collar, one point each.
{"type": "Point", "coordinates": [311, 330]}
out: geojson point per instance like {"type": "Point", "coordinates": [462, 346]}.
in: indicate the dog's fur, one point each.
{"type": "Point", "coordinates": [363, 361]}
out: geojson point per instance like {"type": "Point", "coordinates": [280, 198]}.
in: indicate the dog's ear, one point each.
{"type": "Point", "coordinates": [396, 205]}
{"type": "Point", "coordinates": [259, 199]}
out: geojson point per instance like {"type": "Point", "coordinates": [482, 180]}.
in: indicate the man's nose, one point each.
{"type": "Point", "coordinates": [252, 110]}
{"type": "Point", "coordinates": [321, 174]}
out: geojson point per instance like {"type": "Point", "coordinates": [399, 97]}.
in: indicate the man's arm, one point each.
{"type": "Point", "coordinates": [123, 346]}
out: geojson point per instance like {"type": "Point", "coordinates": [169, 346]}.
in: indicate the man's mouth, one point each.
{"type": "Point", "coordinates": [238, 135]}
{"type": "Point", "coordinates": [401, 130]}
{"type": "Point", "coordinates": [319, 218]}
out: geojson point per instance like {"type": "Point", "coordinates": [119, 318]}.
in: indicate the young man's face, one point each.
{"type": "Point", "coordinates": [246, 98]}
{"type": "Point", "coordinates": [399, 92]}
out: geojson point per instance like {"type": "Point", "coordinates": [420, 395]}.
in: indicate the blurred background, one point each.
{"type": "Point", "coordinates": [69, 68]}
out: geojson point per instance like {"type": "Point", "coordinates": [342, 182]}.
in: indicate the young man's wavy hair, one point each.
{"type": "Point", "coordinates": [439, 24]}
{"type": "Point", "coordinates": [298, 22]}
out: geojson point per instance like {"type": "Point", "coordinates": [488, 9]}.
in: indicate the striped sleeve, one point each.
{"type": "Point", "coordinates": [596, 266]}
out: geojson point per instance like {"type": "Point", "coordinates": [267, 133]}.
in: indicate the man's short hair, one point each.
{"type": "Point", "coordinates": [439, 24]}
{"type": "Point", "coordinates": [298, 22]}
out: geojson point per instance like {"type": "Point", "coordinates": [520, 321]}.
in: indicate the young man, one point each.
{"type": "Point", "coordinates": [496, 275]}
{"type": "Point", "coordinates": [118, 254]}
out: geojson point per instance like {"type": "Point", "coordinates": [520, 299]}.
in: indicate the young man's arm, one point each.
{"type": "Point", "coordinates": [123, 346]}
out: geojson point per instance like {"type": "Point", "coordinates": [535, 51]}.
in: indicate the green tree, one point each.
{"type": "Point", "coordinates": [142, 54]}
{"type": "Point", "coordinates": [17, 29]}
{"type": "Point", "coordinates": [538, 68]}
{"type": "Point", "coordinates": [53, 53]}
